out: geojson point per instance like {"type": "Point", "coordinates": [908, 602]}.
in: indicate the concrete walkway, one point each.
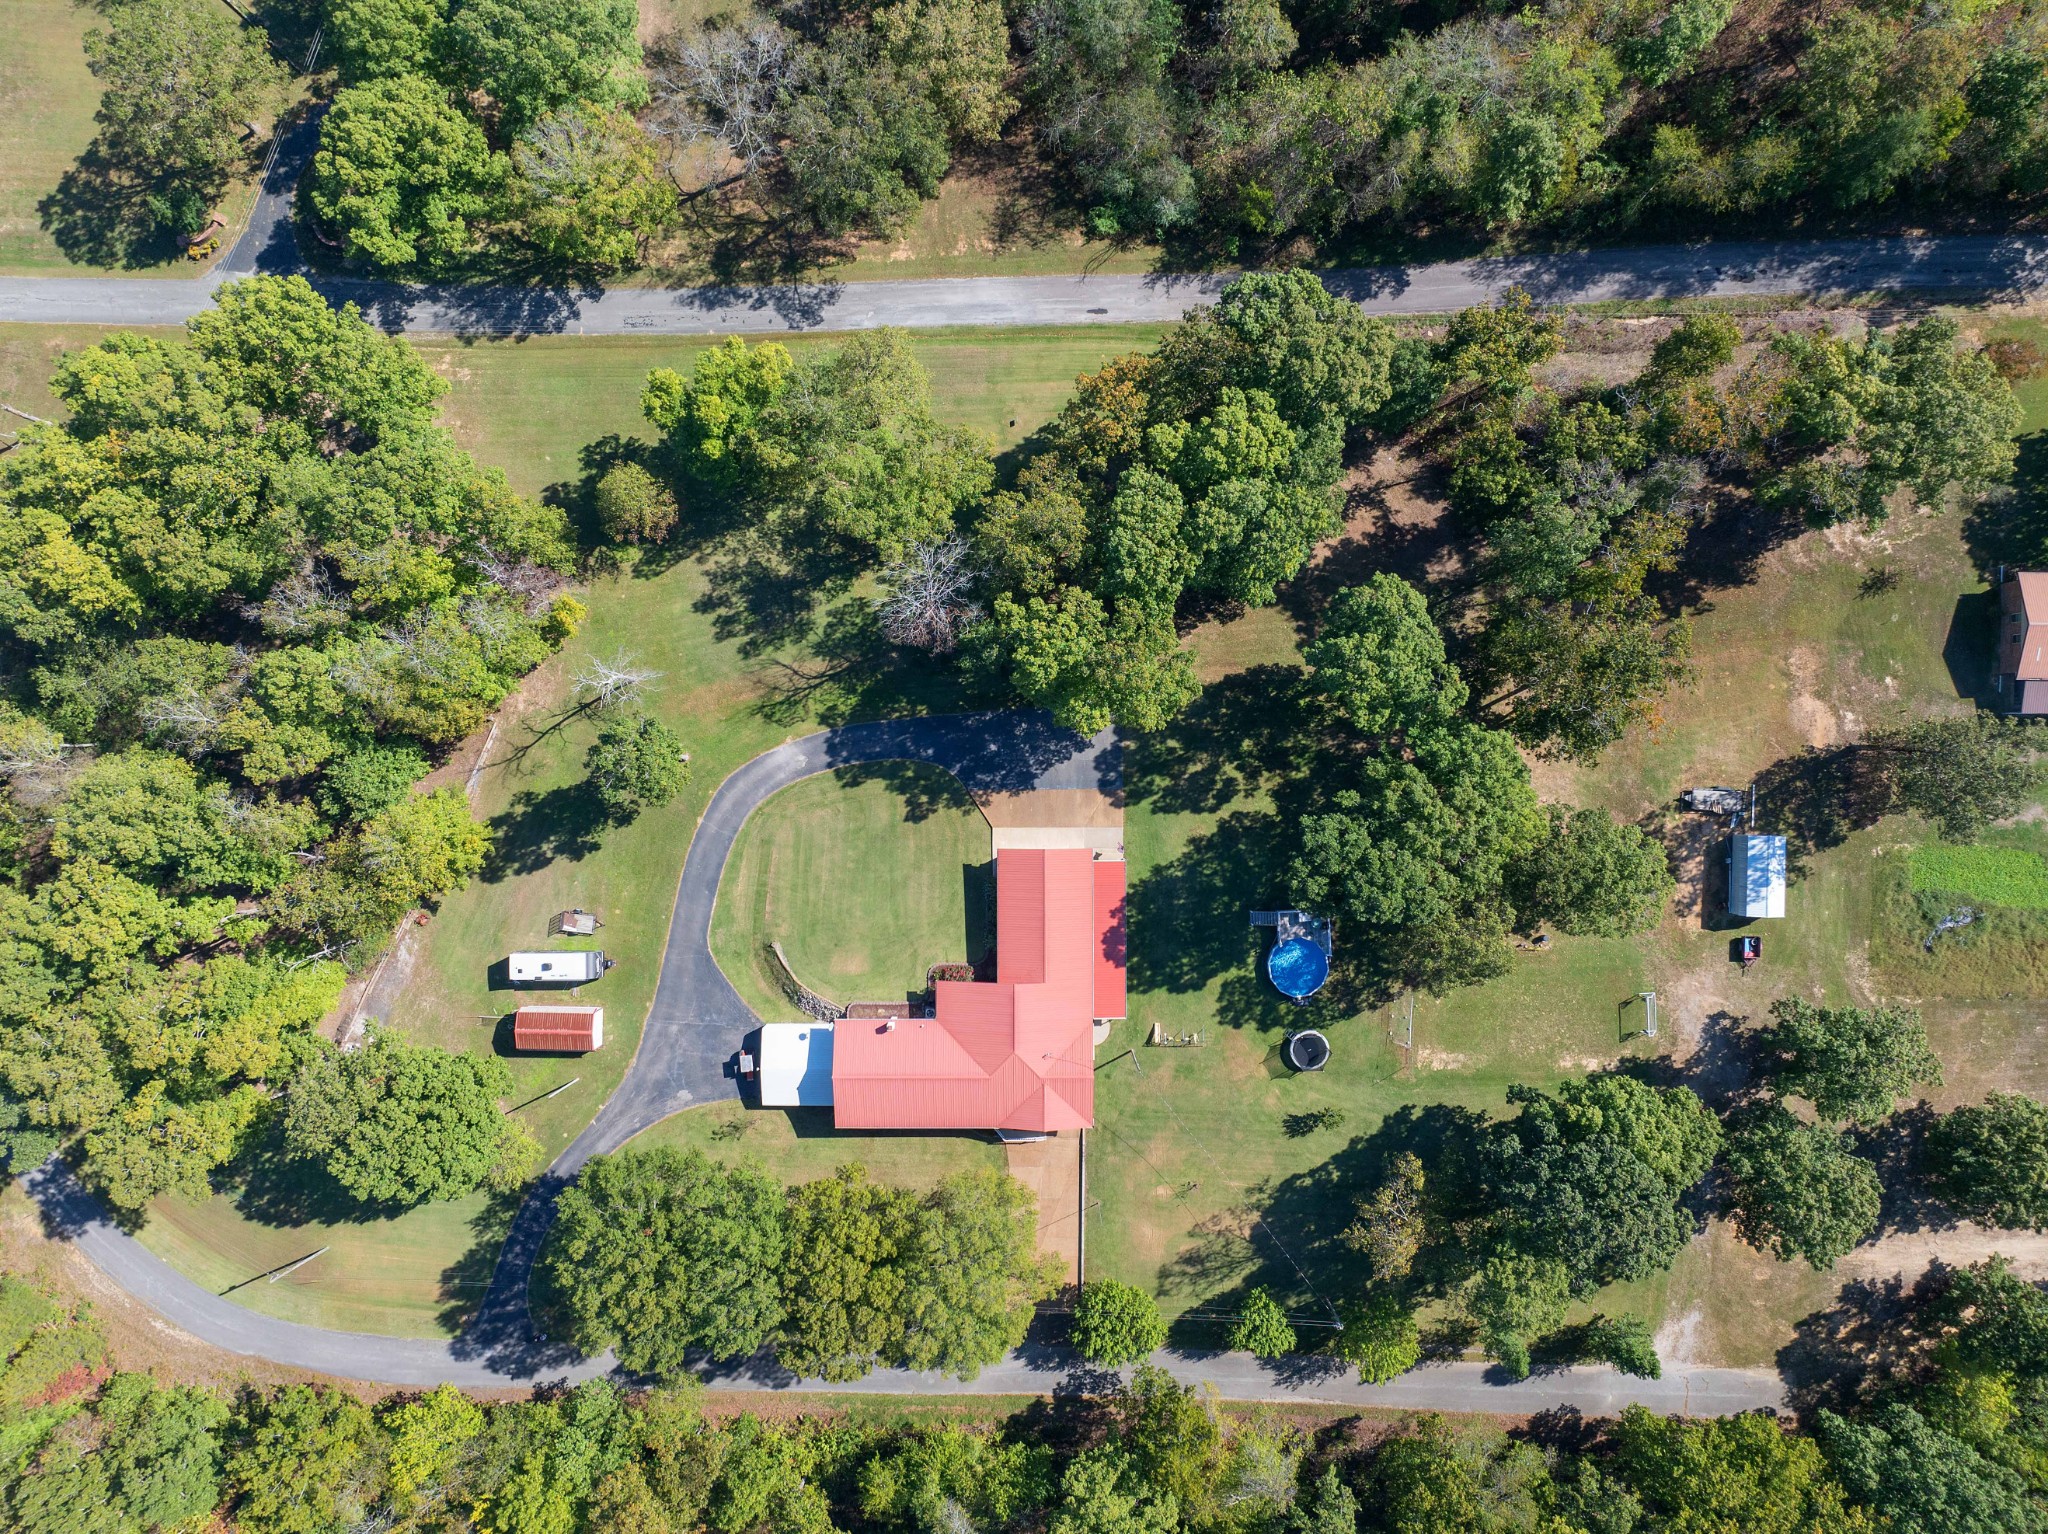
{"type": "Point", "coordinates": [687, 1057]}
{"type": "Point", "coordinates": [1992, 267]}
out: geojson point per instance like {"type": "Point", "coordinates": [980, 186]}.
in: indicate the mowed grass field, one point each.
{"type": "Point", "coordinates": [47, 101]}
{"type": "Point", "coordinates": [800, 1145]}
{"type": "Point", "coordinates": [47, 98]}
{"type": "Point", "coordinates": [863, 886]}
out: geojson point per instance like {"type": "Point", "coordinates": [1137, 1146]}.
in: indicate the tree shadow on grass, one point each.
{"type": "Point", "coordinates": [1248, 733]}
{"type": "Point", "coordinates": [1818, 799]}
{"type": "Point", "coordinates": [851, 671]}
{"type": "Point", "coordinates": [764, 592]}
{"type": "Point", "coordinates": [1907, 1203]}
{"type": "Point", "coordinates": [1839, 1355]}
{"type": "Point", "coordinates": [274, 1189]}
{"type": "Point", "coordinates": [1189, 916]}
{"type": "Point", "coordinates": [99, 214]}
{"type": "Point", "coordinates": [2012, 528]}
{"type": "Point", "coordinates": [924, 789]}
{"type": "Point", "coordinates": [465, 1281]}
{"type": "Point", "coordinates": [1288, 1236]}
{"type": "Point", "coordinates": [544, 826]}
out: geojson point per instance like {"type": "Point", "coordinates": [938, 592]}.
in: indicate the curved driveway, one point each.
{"type": "Point", "coordinates": [686, 1057]}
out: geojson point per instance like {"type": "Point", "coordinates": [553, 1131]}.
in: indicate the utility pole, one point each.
{"type": "Point", "coordinates": [293, 1267]}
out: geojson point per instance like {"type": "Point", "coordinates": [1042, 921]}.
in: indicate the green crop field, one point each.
{"type": "Point", "coordinates": [2007, 876]}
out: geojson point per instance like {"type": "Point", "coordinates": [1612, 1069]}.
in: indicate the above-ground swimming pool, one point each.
{"type": "Point", "coordinates": [1297, 967]}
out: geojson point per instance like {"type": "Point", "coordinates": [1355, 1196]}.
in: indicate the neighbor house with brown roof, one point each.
{"type": "Point", "coordinates": [2022, 678]}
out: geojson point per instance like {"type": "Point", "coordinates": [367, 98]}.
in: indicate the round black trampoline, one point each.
{"type": "Point", "coordinates": [1307, 1050]}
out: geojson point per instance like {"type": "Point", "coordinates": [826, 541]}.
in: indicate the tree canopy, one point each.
{"type": "Point", "coordinates": [1851, 1063]}
{"type": "Point", "coordinates": [398, 1124]}
{"type": "Point", "coordinates": [1798, 1190]}
{"type": "Point", "coordinates": [256, 579]}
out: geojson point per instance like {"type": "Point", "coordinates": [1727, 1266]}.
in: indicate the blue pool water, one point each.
{"type": "Point", "coordinates": [1297, 967]}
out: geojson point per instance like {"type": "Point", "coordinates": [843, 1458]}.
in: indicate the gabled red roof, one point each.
{"type": "Point", "coordinates": [1018, 1053]}
{"type": "Point", "coordinates": [558, 1030]}
{"type": "Point", "coordinates": [1113, 942]}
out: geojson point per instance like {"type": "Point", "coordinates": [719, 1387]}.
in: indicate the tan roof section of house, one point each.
{"type": "Point", "coordinates": [1056, 817]}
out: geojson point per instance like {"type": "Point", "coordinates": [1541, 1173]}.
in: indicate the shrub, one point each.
{"type": "Point", "coordinates": [2016, 359]}
{"type": "Point", "coordinates": [1116, 1323]}
{"type": "Point", "coordinates": [633, 506]}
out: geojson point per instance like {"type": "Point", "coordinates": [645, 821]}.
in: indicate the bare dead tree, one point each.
{"type": "Point", "coordinates": [561, 155]}
{"type": "Point", "coordinates": [927, 596]}
{"type": "Point", "coordinates": [613, 683]}
{"type": "Point", "coordinates": [304, 602]}
{"type": "Point", "coordinates": [188, 718]}
{"type": "Point", "coordinates": [27, 746]}
{"type": "Point", "coordinates": [537, 584]}
{"type": "Point", "coordinates": [721, 88]}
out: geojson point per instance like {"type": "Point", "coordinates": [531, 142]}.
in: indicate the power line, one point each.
{"type": "Point", "coordinates": [1258, 1220]}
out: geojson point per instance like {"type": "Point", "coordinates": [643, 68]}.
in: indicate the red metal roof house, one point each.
{"type": "Point", "coordinates": [1017, 1053]}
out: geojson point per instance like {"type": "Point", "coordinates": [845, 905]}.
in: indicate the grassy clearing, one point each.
{"type": "Point", "coordinates": [47, 98]}
{"type": "Point", "coordinates": [800, 1145]}
{"type": "Point", "coordinates": [532, 406]}
{"type": "Point", "coordinates": [865, 880]}
{"type": "Point", "coordinates": [47, 101]}
{"type": "Point", "coordinates": [415, 1275]}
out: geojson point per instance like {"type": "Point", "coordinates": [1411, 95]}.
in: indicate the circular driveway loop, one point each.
{"type": "Point", "coordinates": [694, 1028]}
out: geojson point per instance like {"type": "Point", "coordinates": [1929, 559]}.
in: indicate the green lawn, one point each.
{"type": "Point", "coordinates": [865, 883]}
{"type": "Point", "coordinates": [531, 406]}
{"type": "Point", "coordinates": [415, 1275]}
{"type": "Point", "coordinates": [800, 1145]}
{"type": "Point", "coordinates": [47, 101]}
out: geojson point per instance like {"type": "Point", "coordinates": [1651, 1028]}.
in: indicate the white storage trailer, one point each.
{"type": "Point", "coordinates": [560, 968]}
{"type": "Point", "coordinates": [1756, 875]}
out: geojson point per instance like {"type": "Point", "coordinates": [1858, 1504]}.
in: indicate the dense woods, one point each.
{"type": "Point", "coordinates": [1947, 1435]}
{"type": "Point", "coordinates": [542, 131]}
{"type": "Point", "coordinates": [248, 589]}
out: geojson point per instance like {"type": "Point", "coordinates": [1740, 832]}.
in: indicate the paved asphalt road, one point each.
{"type": "Point", "coordinates": [1977, 266]}
{"type": "Point", "coordinates": [695, 1028]}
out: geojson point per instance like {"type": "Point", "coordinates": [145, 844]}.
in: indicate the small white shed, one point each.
{"type": "Point", "coordinates": [796, 1065]}
{"type": "Point", "coordinates": [566, 968]}
{"type": "Point", "coordinates": [1756, 875]}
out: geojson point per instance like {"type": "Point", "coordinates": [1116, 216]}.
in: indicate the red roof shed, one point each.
{"type": "Point", "coordinates": [558, 1030]}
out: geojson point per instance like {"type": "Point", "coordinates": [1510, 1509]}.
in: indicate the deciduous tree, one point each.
{"type": "Point", "coordinates": [401, 175]}
{"type": "Point", "coordinates": [1989, 1161]}
{"type": "Point", "coordinates": [660, 1253]}
{"type": "Point", "coordinates": [1116, 1323]}
{"type": "Point", "coordinates": [1852, 1063]}
{"type": "Point", "coordinates": [401, 1124]}
{"type": "Point", "coordinates": [180, 80]}
{"type": "Point", "coordinates": [636, 763]}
